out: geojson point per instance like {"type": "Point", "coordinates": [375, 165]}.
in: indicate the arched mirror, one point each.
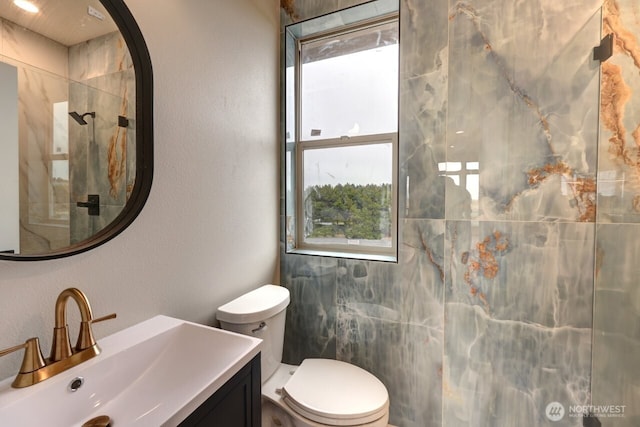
{"type": "Point", "coordinates": [76, 131]}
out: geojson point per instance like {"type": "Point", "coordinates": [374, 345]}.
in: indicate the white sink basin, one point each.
{"type": "Point", "coordinates": [152, 374]}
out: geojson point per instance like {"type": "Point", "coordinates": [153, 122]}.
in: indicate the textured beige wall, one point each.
{"type": "Point", "coordinates": [209, 229]}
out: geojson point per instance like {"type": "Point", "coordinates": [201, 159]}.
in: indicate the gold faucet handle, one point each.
{"type": "Point", "coordinates": [85, 337]}
{"type": "Point", "coordinates": [32, 360]}
{"type": "Point", "coordinates": [103, 318]}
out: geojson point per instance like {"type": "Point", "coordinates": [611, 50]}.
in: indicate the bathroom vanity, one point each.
{"type": "Point", "coordinates": [235, 404]}
{"type": "Point", "coordinates": [160, 372]}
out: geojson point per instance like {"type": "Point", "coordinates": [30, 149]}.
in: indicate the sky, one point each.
{"type": "Point", "coordinates": [359, 164]}
{"type": "Point", "coordinates": [348, 95]}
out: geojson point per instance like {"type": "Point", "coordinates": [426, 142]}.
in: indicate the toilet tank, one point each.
{"type": "Point", "coordinates": [260, 313]}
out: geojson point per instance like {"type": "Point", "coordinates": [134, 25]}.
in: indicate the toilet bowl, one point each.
{"type": "Point", "coordinates": [319, 392]}
{"type": "Point", "coordinates": [324, 392]}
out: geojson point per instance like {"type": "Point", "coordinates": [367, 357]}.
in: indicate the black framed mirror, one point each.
{"type": "Point", "coordinates": [76, 133]}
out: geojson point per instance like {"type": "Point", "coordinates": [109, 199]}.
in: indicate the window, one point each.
{"type": "Point", "coordinates": [342, 135]}
{"type": "Point", "coordinates": [59, 165]}
{"type": "Point", "coordinates": [464, 174]}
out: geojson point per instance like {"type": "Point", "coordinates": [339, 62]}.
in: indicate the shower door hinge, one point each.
{"type": "Point", "coordinates": [605, 50]}
{"type": "Point", "coordinates": [92, 203]}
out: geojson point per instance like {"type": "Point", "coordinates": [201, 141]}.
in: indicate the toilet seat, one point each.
{"type": "Point", "coordinates": [335, 393]}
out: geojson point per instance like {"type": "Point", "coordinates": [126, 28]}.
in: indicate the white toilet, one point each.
{"type": "Point", "coordinates": [319, 392]}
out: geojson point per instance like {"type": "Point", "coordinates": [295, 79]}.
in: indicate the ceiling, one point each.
{"type": "Point", "coordinates": [65, 21]}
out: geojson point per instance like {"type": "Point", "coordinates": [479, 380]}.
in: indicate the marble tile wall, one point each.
{"type": "Point", "coordinates": [616, 323]}
{"type": "Point", "coordinates": [105, 85]}
{"type": "Point", "coordinates": [96, 75]}
{"type": "Point", "coordinates": [42, 80]}
{"type": "Point", "coordinates": [516, 280]}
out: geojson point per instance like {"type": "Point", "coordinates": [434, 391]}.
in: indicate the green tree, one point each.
{"type": "Point", "coordinates": [350, 211]}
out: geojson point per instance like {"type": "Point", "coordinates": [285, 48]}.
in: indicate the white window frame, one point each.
{"type": "Point", "coordinates": [356, 251]}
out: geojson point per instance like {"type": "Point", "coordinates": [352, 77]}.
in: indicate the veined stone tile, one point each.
{"type": "Point", "coordinates": [618, 169]}
{"type": "Point", "coordinates": [616, 326]}
{"type": "Point", "coordinates": [504, 373]}
{"type": "Point", "coordinates": [532, 272]}
{"type": "Point", "coordinates": [423, 108]}
{"type": "Point", "coordinates": [410, 291]}
{"type": "Point", "coordinates": [311, 317]}
{"type": "Point", "coordinates": [489, 311]}
{"type": "Point", "coordinates": [407, 358]}
{"type": "Point", "coordinates": [522, 124]}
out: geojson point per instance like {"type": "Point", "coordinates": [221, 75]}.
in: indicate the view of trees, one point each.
{"type": "Point", "coordinates": [349, 211]}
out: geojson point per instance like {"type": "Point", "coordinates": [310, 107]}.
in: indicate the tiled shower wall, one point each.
{"type": "Point", "coordinates": [102, 158]}
{"type": "Point", "coordinates": [96, 75]}
{"type": "Point", "coordinates": [40, 85]}
{"type": "Point", "coordinates": [516, 280]}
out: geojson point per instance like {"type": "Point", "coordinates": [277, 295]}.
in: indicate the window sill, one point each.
{"type": "Point", "coordinates": [348, 255]}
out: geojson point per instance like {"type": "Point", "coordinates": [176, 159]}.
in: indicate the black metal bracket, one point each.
{"type": "Point", "coordinates": [123, 122]}
{"type": "Point", "coordinates": [92, 203]}
{"type": "Point", "coordinates": [605, 50]}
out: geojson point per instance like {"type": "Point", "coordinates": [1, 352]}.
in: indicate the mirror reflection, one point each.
{"type": "Point", "coordinates": [67, 124]}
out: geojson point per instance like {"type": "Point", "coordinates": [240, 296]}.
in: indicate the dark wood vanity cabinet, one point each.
{"type": "Point", "coordinates": [236, 404]}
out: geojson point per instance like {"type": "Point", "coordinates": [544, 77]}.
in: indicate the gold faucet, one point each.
{"type": "Point", "coordinates": [34, 368]}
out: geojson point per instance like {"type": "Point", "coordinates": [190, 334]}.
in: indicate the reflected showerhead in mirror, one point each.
{"type": "Point", "coordinates": [80, 118]}
{"type": "Point", "coordinates": [113, 54]}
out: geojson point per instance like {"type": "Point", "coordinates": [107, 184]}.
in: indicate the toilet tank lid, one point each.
{"type": "Point", "coordinates": [255, 306]}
